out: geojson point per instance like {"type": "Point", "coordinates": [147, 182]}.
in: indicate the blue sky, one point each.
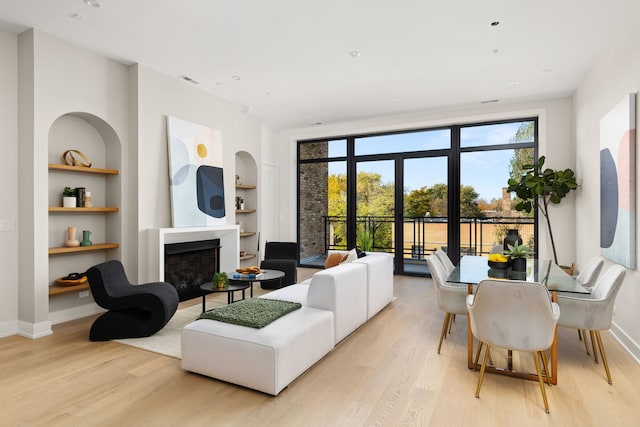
{"type": "Point", "coordinates": [487, 172]}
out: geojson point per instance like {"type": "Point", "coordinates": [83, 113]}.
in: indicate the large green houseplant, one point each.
{"type": "Point", "coordinates": [542, 187]}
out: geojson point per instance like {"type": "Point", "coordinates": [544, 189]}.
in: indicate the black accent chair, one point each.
{"type": "Point", "coordinates": [281, 256]}
{"type": "Point", "coordinates": [134, 310]}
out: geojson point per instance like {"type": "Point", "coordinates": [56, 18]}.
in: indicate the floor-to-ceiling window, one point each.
{"type": "Point", "coordinates": [410, 193]}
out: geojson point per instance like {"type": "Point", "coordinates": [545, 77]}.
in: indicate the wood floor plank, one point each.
{"type": "Point", "coordinates": [387, 373]}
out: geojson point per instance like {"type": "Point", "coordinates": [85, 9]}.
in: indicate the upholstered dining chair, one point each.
{"type": "Point", "coordinates": [449, 298]}
{"type": "Point", "coordinates": [587, 278]}
{"type": "Point", "coordinates": [595, 312]}
{"type": "Point", "coordinates": [516, 315]}
{"type": "Point", "coordinates": [445, 261]}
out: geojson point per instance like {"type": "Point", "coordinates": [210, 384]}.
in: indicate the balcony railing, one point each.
{"type": "Point", "coordinates": [423, 235]}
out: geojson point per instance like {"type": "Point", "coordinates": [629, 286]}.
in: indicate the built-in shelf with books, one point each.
{"type": "Point", "coordinates": [246, 204]}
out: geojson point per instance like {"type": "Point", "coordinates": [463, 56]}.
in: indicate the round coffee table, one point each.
{"type": "Point", "coordinates": [229, 289]}
{"type": "Point", "coordinates": [264, 276]}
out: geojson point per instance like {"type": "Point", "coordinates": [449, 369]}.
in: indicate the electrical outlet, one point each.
{"type": "Point", "coordinates": [83, 294]}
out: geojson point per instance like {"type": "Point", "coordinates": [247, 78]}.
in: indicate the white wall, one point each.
{"type": "Point", "coordinates": [8, 176]}
{"type": "Point", "coordinates": [556, 142]}
{"type": "Point", "coordinates": [158, 96]}
{"type": "Point", "coordinates": [56, 78]}
{"type": "Point", "coordinates": [614, 75]}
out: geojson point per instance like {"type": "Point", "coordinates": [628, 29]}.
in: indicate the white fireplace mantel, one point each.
{"type": "Point", "coordinates": [229, 236]}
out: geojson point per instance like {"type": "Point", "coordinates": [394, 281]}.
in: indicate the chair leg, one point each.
{"type": "Point", "coordinates": [604, 357]}
{"type": "Point", "coordinates": [544, 393]}
{"type": "Point", "coordinates": [579, 335]}
{"type": "Point", "coordinates": [443, 333]}
{"type": "Point", "coordinates": [451, 320]}
{"type": "Point", "coordinates": [593, 345]}
{"type": "Point", "coordinates": [475, 361]}
{"type": "Point", "coordinates": [545, 366]}
{"type": "Point", "coordinates": [586, 341]}
{"type": "Point", "coordinates": [482, 368]}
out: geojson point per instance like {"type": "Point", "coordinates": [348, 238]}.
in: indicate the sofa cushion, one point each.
{"type": "Point", "coordinates": [352, 255]}
{"type": "Point", "coordinates": [333, 259]}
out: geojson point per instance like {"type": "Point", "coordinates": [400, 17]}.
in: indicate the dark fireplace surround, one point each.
{"type": "Point", "coordinates": [187, 265]}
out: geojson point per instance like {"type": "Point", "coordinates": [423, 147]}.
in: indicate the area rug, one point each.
{"type": "Point", "coordinates": [167, 340]}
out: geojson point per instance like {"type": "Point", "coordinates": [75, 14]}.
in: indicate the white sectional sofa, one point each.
{"type": "Point", "coordinates": [335, 302]}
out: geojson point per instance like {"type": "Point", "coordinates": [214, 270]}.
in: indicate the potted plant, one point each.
{"type": "Point", "coordinates": [220, 280]}
{"type": "Point", "coordinates": [69, 197]}
{"type": "Point", "coordinates": [542, 187]}
{"type": "Point", "coordinates": [518, 254]}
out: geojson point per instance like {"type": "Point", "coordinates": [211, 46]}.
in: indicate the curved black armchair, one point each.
{"type": "Point", "coordinates": [134, 310]}
{"type": "Point", "coordinates": [281, 256]}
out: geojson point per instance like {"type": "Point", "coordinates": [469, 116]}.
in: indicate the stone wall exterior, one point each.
{"type": "Point", "coordinates": [313, 200]}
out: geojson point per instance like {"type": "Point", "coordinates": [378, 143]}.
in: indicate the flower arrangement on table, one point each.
{"type": "Point", "coordinates": [220, 281]}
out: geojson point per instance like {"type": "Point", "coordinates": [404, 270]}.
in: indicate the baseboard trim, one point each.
{"type": "Point", "coordinates": [34, 330]}
{"type": "Point", "coordinates": [8, 329]}
{"type": "Point", "coordinates": [74, 313]}
{"type": "Point", "coordinates": [631, 346]}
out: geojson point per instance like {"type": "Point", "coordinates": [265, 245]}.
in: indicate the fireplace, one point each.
{"type": "Point", "coordinates": [187, 265]}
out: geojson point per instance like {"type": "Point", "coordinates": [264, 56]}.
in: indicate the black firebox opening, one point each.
{"type": "Point", "coordinates": [187, 265]}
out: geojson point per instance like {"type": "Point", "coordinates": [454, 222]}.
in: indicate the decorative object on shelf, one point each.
{"type": "Point", "coordinates": [538, 187]}
{"type": "Point", "coordinates": [80, 196]}
{"type": "Point", "coordinates": [72, 279]}
{"type": "Point", "coordinates": [241, 204]}
{"type": "Point", "coordinates": [242, 253]}
{"type": "Point", "coordinates": [512, 238]}
{"type": "Point", "coordinates": [238, 202]}
{"type": "Point", "coordinates": [69, 197]}
{"type": "Point", "coordinates": [220, 280]}
{"type": "Point", "coordinates": [87, 200]}
{"type": "Point", "coordinates": [518, 254]}
{"type": "Point", "coordinates": [76, 158]}
{"type": "Point", "coordinates": [71, 237]}
{"type": "Point", "coordinates": [85, 238]}
{"type": "Point", "coordinates": [238, 180]}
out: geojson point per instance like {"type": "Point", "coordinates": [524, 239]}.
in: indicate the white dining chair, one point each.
{"type": "Point", "coordinates": [587, 278]}
{"type": "Point", "coordinates": [446, 262]}
{"type": "Point", "coordinates": [450, 298]}
{"type": "Point", "coordinates": [515, 315]}
{"type": "Point", "coordinates": [595, 312]}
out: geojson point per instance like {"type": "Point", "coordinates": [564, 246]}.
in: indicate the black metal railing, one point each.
{"type": "Point", "coordinates": [424, 235]}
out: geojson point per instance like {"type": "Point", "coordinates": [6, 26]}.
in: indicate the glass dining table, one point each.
{"type": "Point", "coordinates": [471, 270]}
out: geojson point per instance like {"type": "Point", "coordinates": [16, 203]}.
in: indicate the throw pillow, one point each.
{"type": "Point", "coordinates": [351, 256]}
{"type": "Point", "coordinates": [333, 259]}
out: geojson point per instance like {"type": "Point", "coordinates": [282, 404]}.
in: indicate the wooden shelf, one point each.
{"type": "Point", "coordinates": [80, 210]}
{"type": "Point", "coordinates": [247, 233]}
{"type": "Point", "coordinates": [246, 186]}
{"type": "Point", "coordinates": [59, 289]}
{"type": "Point", "coordinates": [94, 247]}
{"type": "Point", "coordinates": [241, 211]}
{"type": "Point", "coordinates": [67, 168]}
{"type": "Point", "coordinates": [247, 256]}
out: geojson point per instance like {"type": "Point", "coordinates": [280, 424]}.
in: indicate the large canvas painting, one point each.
{"type": "Point", "coordinates": [618, 183]}
{"type": "Point", "coordinates": [195, 170]}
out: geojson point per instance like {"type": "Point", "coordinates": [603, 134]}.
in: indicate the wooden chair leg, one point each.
{"type": "Point", "coordinates": [545, 366]}
{"type": "Point", "coordinates": [475, 360]}
{"type": "Point", "coordinates": [586, 341]}
{"type": "Point", "coordinates": [445, 324]}
{"type": "Point", "coordinates": [604, 357]}
{"type": "Point", "coordinates": [593, 345]}
{"type": "Point", "coordinates": [544, 393]}
{"type": "Point", "coordinates": [482, 368]}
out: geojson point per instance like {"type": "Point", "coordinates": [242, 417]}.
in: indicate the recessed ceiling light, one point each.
{"type": "Point", "coordinates": [495, 23]}
{"type": "Point", "coordinates": [512, 84]}
{"type": "Point", "coordinates": [547, 70]}
{"type": "Point", "coordinates": [77, 17]}
{"type": "Point", "coordinates": [495, 51]}
{"type": "Point", "coordinates": [236, 78]}
{"type": "Point", "coordinates": [489, 101]}
{"type": "Point", "coordinates": [354, 53]}
{"type": "Point", "coordinates": [93, 3]}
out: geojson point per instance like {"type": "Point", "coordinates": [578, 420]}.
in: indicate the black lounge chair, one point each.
{"type": "Point", "coordinates": [282, 256]}
{"type": "Point", "coordinates": [133, 310]}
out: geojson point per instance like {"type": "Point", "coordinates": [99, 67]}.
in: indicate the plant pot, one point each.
{"type": "Point", "coordinates": [511, 238]}
{"type": "Point", "coordinates": [519, 265]}
{"type": "Point", "coordinates": [69, 202]}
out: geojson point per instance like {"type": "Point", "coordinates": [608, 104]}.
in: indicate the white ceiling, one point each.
{"type": "Point", "coordinates": [291, 58]}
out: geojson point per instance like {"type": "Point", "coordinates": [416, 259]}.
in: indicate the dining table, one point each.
{"type": "Point", "coordinates": [472, 269]}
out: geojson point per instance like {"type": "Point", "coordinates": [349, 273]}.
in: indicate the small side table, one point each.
{"type": "Point", "coordinates": [262, 277]}
{"type": "Point", "coordinates": [230, 289]}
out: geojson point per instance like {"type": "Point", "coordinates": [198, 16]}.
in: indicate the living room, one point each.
{"type": "Point", "coordinates": [43, 77]}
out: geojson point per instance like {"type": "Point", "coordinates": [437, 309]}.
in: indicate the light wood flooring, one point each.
{"type": "Point", "coordinates": [385, 374]}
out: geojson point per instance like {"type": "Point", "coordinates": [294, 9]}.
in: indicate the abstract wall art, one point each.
{"type": "Point", "coordinates": [196, 174]}
{"type": "Point", "coordinates": [618, 183]}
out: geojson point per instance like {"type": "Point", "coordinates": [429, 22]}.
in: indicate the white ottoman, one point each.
{"type": "Point", "coordinates": [266, 359]}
